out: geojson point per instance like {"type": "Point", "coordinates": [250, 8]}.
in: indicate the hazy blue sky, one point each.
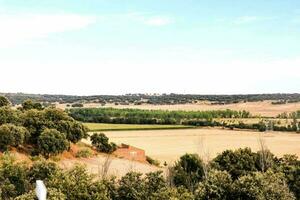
{"type": "Point", "coordinates": [129, 46]}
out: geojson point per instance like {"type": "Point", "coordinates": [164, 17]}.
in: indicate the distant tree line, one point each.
{"type": "Point", "coordinates": [241, 174]}
{"type": "Point", "coordinates": [138, 116]}
{"type": "Point", "coordinates": [163, 99]}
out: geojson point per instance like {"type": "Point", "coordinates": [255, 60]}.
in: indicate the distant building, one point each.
{"type": "Point", "coordinates": [130, 153]}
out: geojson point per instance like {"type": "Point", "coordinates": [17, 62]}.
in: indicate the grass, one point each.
{"type": "Point", "coordinates": [126, 127]}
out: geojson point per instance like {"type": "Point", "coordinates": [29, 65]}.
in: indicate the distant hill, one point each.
{"type": "Point", "coordinates": [156, 99]}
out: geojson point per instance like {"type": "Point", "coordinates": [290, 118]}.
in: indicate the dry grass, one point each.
{"type": "Point", "coordinates": [169, 145]}
{"type": "Point", "coordinates": [105, 127]}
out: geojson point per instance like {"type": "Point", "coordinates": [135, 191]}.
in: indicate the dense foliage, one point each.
{"type": "Point", "coordinates": [189, 179]}
{"type": "Point", "coordinates": [137, 116]}
{"type": "Point", "coordinates": [47, 131]}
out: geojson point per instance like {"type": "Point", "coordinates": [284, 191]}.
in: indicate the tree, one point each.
{"type": "Point", "coordinates": [52, 142]}
{"type": "Point", "coordinates": [29, 104]}
{"type": "Point", "coordinates": [216, 186]}
{"type": "Point", "coordinates": [11, 135]}
{"type": "Point", "coordinates": [237, 163]}
{"type": "Point", "coordinates": [261, 186]}
{"type": "Point", "coordinates": [4, 101]}
{"type": "Point", "coordinates": [101, 142]}
{"type": "Point", "coordinates": [188, 171]}
{"type": "Point", "coordinates": [43, 170]}
{"type": "Point", "coordinates": [14, 179]}
{"type": "Point", "coordinates": [132, 187]}
{"type": "Point", "coordinates": [76, 184]}
{"type": "Point", "coordinates": [8, 115]}
{"type": "Point", "coordinates": [74, 130]}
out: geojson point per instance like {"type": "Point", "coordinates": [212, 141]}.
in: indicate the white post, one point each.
{"type": "Point", "coordinates": [40, 190]}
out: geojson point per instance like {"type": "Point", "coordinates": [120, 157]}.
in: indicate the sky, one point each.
{"type": "Point", "coordinates": [93, 47]}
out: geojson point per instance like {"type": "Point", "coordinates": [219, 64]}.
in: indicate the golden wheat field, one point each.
{"type": "Point", "coordinates": [169, 145]}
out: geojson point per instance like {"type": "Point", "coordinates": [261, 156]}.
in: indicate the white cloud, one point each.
{"type": "Point", "coordinates": [22, 28]}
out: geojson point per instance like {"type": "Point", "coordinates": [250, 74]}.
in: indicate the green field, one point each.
{"type": "Point", "coordinates": [126, 127]}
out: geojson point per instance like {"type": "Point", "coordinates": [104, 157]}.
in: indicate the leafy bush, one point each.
{"type": "Point", "coordinates": [188, 171]}
{"type": "Point", "coordinates": [4, 101]}
{"type": "Point", "coordinates": [100, 141]}
{"type": "Point", "coordinates": [237, 163]}
{"type": "Point", "coordinates": [152, 161]}
{"type": "Point", "coordinates": [263, 186]}
{"type": "Point", "coordinates": [52, 142]}
{"type": "Point", "coordinates": [84, 153]}
{"type": "Point", "coordinates": [11, 135]}
{"type": "Point", "coordinates": [217, 185]}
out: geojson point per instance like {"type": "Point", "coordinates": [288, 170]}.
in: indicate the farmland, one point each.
{"type": "Point", "coordinates": [123, 127]}
{"type": "Point", "coordinates": [169, 145]}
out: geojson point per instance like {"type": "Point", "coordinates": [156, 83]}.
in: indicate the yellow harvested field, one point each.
{"type": "Point", "coordinates": [169, 145]}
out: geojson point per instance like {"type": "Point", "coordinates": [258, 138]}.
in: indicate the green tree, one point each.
{"type": "Point", "coordinates": [237, 163]}
{"type": "Point", "coordinates": [11, 135]}
{"type": "Point", "coordinates": [43, 170]}
{"type": "Point", "coordinates": [77, 184]}
{"type": "Point", "coordinates": [261, 186]}
{"type": "Point", "coordinates": [9, 115]}
{"type": "Point", "coordinates": [29, 104]}
{"type": "Point", "coordinates": [216, 186]}
{"type": "Point", "coordinates": [188, 171]}
{"type": "Point", "coordinates": [52, 142]}
{"type": "Point", "coordinates": [14, 179]}
{"type": "Point", "coordinates": [4, 101]}
{"type": "Point", "coordinates": [101, 142]}
{"type": "Point", "coordinates": [131, 187]}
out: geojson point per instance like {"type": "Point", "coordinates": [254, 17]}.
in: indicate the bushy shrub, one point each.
{"type": "Point", "coordinates": [4, 101]}
{"type": "Point", "coordinates": [188, 171]}
{"type": "Point", "coordinates": [217, 185]}
{"type": "Point", "coordinates": [52, 142]}
{"type": "Point", "coordinates": [152, 161]}
{"type": "Point", "coordinates": [101, 142]}
{"type": "Point", "coordinates": [84, 153]}
{"type": "Point", "coordinates": [268, 185]}
{"type": "Point", "coordinates": [11, 135]}
{"type": "Point", "coordinates": [237, 163]}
